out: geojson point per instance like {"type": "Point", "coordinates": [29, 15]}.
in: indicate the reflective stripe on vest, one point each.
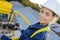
{"type": "Point", "coordinates": [39, 31]}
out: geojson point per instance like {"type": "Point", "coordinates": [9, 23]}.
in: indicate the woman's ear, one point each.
{"type": "Point", "coordinates": [55, 18]}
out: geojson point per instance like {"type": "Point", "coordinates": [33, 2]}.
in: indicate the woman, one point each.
{"type": "Point", "coordinates": [38, 31]}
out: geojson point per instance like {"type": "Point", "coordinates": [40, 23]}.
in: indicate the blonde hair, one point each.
{"type": "Point", "coordinates": [54, 20]}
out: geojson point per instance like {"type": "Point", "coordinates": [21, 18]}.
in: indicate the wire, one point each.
{"type": "Point", "coordinates": [11, 17]}
{"type": "Point", "coordinates": [25, 19]}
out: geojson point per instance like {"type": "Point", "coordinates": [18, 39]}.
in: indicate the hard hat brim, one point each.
{"type": "Point", "coordinates": [50, 10]}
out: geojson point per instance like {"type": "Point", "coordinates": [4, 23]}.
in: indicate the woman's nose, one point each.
{"type": "Point", "coordinates": [41, 15]}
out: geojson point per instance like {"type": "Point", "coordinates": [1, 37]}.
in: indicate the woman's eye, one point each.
{"type": "Point", "coordinates": [41, 11]}
{"type": "Point", "coordinates": [47, 14]}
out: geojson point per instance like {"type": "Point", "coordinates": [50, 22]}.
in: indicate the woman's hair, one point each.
{"type": "Point", "coordinates": [54, 14]}
{"type": "Point", "coordinates": [56, 17]}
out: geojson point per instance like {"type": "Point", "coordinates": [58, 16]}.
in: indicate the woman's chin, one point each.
{"type": "Point", "coordinates": [42, 22]}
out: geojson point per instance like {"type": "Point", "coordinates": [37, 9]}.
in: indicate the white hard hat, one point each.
{"type": "Point", "coordinates": [52, 5]}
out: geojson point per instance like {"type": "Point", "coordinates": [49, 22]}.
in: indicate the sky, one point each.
{"type": "Point", "coordinates": [41, 1]}
{"type": "Point", "coordinates": [58, 1]}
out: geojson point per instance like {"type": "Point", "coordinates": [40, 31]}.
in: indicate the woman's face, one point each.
{"type": "Point", "coordinates": [45, 16]}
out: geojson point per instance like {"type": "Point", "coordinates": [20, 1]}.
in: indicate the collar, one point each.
{"type": "Point", "coordinates": [37, 25]}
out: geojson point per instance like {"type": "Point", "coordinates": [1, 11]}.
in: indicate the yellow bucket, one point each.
{"type": "Point", "coordinates": [15, 38]}
{"type": "Point", "coordinates": [5, 7]}
{"type": "Point", "coordinates": [2, 0]}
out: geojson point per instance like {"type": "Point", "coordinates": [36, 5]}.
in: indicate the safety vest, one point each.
{"type": "Point", "coordinates": [46, 29]}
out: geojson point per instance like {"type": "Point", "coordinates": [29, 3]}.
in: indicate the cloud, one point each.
{"type": "Point", "coordinates": [58, 1]}
{"type": "Point", "coordinates": [38, 1]}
